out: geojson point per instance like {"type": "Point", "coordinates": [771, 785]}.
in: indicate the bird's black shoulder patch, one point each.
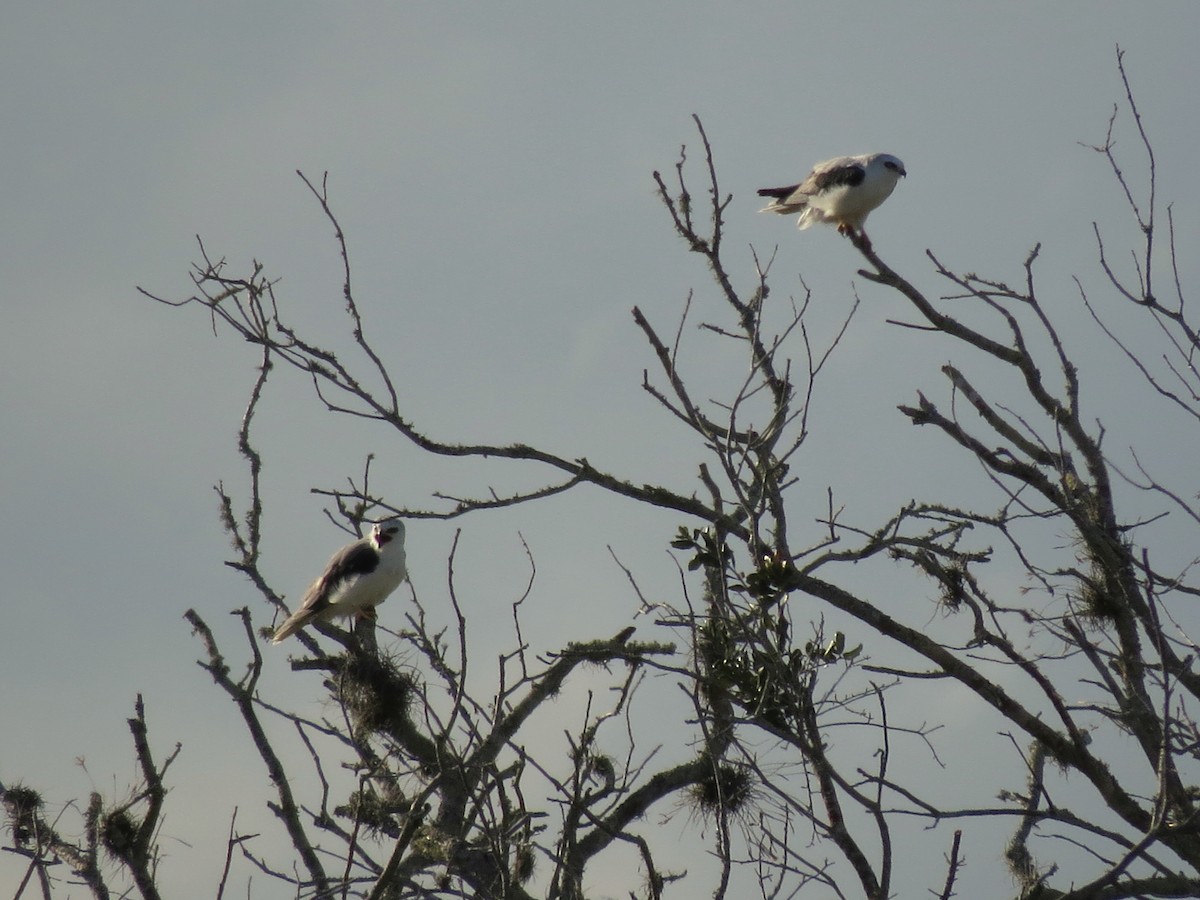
{"type": "Point", "coordinates": [842, 176]}
{"type": "Point", "coordinates": [357, 559]}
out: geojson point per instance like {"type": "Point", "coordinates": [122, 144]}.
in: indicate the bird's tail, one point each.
{"type": "Point", "coordinates": [290, 626]}
{"type": "Point", "coordinates": [778, 195]}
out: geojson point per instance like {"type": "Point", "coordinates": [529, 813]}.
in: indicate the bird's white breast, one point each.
{"type": "Point", "coordinates": [369, 590]}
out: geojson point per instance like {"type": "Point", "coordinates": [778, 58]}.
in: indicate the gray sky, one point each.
{"type": "Point", "coordinates": [491, 166]}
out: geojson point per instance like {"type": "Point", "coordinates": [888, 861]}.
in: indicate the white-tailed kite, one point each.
{"type": "Point", "coordinates": [357, 579]}
{"type": "Point", "coordinates": [840, 191]}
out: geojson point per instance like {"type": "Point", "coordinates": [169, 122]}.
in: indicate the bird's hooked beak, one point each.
{"type": "Point", "coordinates": [382, 538]}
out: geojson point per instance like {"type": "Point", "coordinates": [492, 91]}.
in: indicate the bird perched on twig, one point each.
{"type": "Point", "coordinates": [356, 579]}
{"type": "Point", "coordinates": [840, 191]}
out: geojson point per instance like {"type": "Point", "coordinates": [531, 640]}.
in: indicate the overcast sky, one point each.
{"type": "Point", "coordinates": [491, 165]}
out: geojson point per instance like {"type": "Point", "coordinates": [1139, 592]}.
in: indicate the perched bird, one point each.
{"type": "Point", "coordinates": [840, 191]}
{"type": "Point", "coordinates": [357, 579]}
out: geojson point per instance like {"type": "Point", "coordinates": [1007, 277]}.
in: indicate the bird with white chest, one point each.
{"type": "Point", "coordinates": [841, 191]}
{"type": "Point", "coordinates": [356, 579]}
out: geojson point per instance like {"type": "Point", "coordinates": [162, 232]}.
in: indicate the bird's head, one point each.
{"type": "Point", "coordinates": [387, 531]}
{"type": "Point", "coordinates": [891, 164]}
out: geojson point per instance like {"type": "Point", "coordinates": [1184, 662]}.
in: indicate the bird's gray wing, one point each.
{"type": "Point", "coordinates": [845, 171]}
{"type": "Point", "coordinates": [359, 558]}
